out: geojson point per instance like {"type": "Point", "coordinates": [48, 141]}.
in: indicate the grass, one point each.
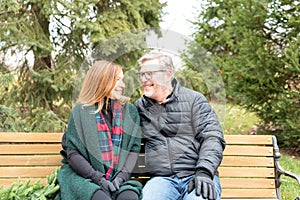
{"type": "Point", "coordinates": [239, 121]}
{"type": "Point", "coordinates": [290, 189]}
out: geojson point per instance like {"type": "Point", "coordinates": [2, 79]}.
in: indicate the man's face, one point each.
{"type": "Point", "coordinates": [154, 79]}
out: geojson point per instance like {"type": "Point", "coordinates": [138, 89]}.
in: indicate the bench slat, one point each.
{"type": "Point", "coordinates": [250, 183]}
{"type": "Point", "coordinates": [26, 171]}
{"type": "Point", "coordinates": [241, 172]}
{"type": "Point", "coordinates": [30, 137]}
{"type": "Point", "coordinates": [249, 193]}
{"type": "Point", "coordinates": [249, 139]}
{"type": "Point", "coordinates": [40, 160]}
{"type": "Point", "coordinates": [6, 182]}
{"type": "Point", "coordinates": [10, 149]}
{"type": "Point", "coordinates": [246, 172]}
{"type": "Point", "coordinates": [248, 150]}
{"type": "Point", "coordinates": [236, 160]}
{"type": "Point", "coordinates": [247, 161]}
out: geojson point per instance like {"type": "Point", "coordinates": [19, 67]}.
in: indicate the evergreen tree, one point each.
{"type": "Point", "coordinates": [53, 39]}
{"type": "Point", "coordinates": [256, 47]}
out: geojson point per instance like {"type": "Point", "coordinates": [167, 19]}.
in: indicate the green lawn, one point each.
{"type": "Point", "coordinates": [290, 189]}
{"type": "Point", "coordinates": [239, 121]}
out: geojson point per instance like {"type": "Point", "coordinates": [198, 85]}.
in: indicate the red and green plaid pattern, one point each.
{"type": "Point", "coordinates": [110, 140]}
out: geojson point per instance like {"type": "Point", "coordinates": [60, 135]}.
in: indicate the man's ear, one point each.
{"type": "Point", "coordinates": [169, 73]}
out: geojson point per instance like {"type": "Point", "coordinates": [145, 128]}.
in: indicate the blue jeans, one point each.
{"type": "Point", "coordinates": [166, 188]}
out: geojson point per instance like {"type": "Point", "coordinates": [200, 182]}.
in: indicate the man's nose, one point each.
{"type": "Point", "coordinates": [143, 78]}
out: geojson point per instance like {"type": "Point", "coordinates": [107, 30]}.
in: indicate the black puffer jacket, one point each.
{"type": "Point", "coordinates": [182, 135]}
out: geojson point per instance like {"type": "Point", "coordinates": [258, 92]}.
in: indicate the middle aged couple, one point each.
{"type": "Point", "coordinates": [184, 142]}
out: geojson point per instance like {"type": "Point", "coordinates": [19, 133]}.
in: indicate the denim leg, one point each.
{"type": "Point", "coordinates": [161, 188]}
{"type": "Point", "coordinates": [192, 195]}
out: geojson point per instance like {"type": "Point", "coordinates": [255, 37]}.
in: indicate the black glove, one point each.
{"type": "Point", "coordinates": [120, 179]}
{"type": "Point", "coordinates": [117, 182]}
{"type": "Point", "coordinates": [204, 185]}
{"type": "Point", "coordinates": [107, 185]}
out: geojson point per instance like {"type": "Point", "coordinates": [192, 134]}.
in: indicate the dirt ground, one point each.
{"type": "Point", "coordinates": [293, 152]}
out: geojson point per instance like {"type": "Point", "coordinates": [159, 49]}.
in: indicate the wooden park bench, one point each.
{"type": "Point", "coordinates": [250, 168]}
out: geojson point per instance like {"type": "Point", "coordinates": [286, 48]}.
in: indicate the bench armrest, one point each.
{"type": "Point", "coordinates": [279, 169]}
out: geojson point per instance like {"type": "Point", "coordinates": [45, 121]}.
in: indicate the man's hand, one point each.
{"type": "Point", "coordinates": [203, 185]}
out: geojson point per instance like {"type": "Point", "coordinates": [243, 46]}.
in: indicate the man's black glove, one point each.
{"type": "Point", "coordinates": [203, 184]}
{"type": "Point", "coordinates": [120, 179]}
{"type": "Point", "coordinates": [107, 185]}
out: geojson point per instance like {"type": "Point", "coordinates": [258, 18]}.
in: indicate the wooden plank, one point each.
{"type": "Point", "coordinates": [22, 149]}
{"type": "Point", "coordinates": [262, 198]}
{"type": "Point", "coordinates": [6, 182]}
{"type": "Point", "coordinates": [249, 183]}
{"type": "Point", "coordinates": [249, 193]}
{"type": "Point", "coordinates": [26, 171]}
{"type": "Point", "coordinates": [30, 137]}
{"type": "Point", "coordinates": [247, 161]}
{"type": "Point", "coordinates": [39, 160]}
{"type": "Point", "coordinates": [249, 139]}
{"type": "Point", "coordinates": [248, 150]}
{"type": "Point", "coordinates": [246, 172]}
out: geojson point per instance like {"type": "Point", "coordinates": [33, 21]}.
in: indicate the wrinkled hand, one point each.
{"type": "Point", "coordinates": [203, 185]}
{"type": "Point", "coordinates": [107, 185]}
{"type": "Point", "coordinates": [117, 182]}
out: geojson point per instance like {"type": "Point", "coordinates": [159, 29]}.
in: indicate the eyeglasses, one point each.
{"type": "Point", "coordinates": [148, 75]}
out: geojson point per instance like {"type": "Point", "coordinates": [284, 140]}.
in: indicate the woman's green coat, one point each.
{"type": "Point", "coordinates": [82, 135]}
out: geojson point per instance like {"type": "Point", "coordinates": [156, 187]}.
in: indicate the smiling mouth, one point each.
{"type": "Point", "coordinates": [148, 85]}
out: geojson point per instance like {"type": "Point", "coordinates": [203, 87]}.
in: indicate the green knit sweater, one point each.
{"type": "Point", "coordinates": [82, 135]}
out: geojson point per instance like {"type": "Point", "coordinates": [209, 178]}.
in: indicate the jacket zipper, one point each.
{"type": "Point", "coordinates": [170, 156]}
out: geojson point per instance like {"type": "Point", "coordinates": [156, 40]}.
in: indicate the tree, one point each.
{"type": "Point", "coordinates": [256, 47]}
{"type": "Point", "coordinates": [54, 38]}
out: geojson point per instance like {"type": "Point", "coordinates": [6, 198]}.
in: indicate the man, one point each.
{"type": "Point", "coordinates": [184, 142]}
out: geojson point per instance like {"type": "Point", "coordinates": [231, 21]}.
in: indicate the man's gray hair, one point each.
{"type": "Point", "coordinates": [164, 60]}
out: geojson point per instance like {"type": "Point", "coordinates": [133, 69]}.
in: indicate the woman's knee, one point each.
{"type": "Point", "coordinates": [128, 195]}
{"type": "Point", "coordinates": [100, 195]}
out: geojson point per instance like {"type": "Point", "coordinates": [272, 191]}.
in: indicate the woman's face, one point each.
{"type": "Point", "coordinates": [119, 87]}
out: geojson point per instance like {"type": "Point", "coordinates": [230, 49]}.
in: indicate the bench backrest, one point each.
{"type": "Point", "coordinates": [28, 155]}
{"type": "Point", "coordinates": [247, 169]}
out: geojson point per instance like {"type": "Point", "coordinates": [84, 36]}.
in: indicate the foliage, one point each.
{"type": "Point", "coordinates": [10, 120]}
{"type": "Point", "coordinates": [28, 191]}
{"type": "Point", "coordinates": [202, 74]}
{"type": "Point", "coordinates": [46, 43]}
{"type": "Point", "coordinates": [255, 45]}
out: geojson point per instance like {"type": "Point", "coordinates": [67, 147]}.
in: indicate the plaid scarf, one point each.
{"type": "Point", "coordinates": [110, 139]}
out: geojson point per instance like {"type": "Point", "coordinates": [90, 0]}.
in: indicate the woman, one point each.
{"type": "Point", "coordinates": [102, 141]}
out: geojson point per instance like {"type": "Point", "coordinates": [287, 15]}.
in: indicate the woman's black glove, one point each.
{"type": "Point", "coordinates": [203, 184]}
{"type": "Point", "coordinates": [120, 179]}
{"type": "Point", "coordinates": [107, 186]}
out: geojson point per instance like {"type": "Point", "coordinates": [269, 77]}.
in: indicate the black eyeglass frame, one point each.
{"type": "Point", "coordinates": [148, 74]}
